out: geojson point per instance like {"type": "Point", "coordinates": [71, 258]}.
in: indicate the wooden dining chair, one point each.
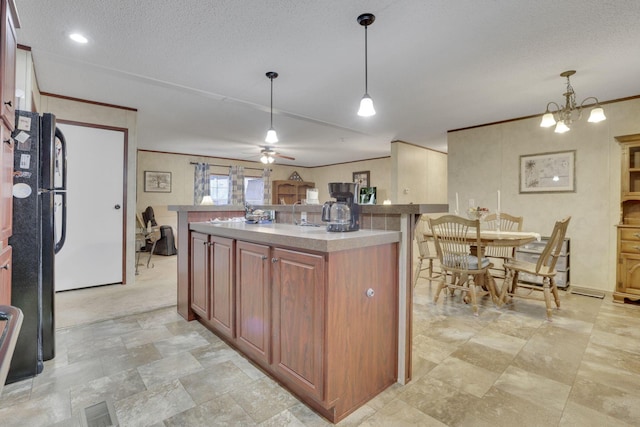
{"type": "Point", "coordinates": [545, 268]}
{"type": "Point", "coordinates": [425, 255]}
{"type": "Point", "coordinates": [454, 236]}
{"type": "Point", "coordinates": [501, 254]}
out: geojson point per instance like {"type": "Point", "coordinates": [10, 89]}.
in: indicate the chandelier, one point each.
{"type": "Point", "coordinates": [563, 117]}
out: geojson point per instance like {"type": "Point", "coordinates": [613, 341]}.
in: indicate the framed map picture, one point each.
{"type": "Point", "coordinates": [548, 172]}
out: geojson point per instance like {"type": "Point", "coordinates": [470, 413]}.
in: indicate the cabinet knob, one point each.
{"type": "Point", "coordinates": [636, 235]}
{"type": "Point", "coordinates": [264, 257]}
{"type": "Point", "coordinates": [274, 260]}
{"type": "Point", "coordinates": [9, 103]}
{"type": "Point", "coordinates": [370, 292]}
{"type": "Point", "coordinates": [5, 267]}
{"type": "Point", "coordinates": [8, 141]}
{"type": "Point", "coordinates": [637, 248]}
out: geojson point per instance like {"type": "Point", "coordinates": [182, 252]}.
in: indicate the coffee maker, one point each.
{"type": "Point", "coordinates": [344, 213]}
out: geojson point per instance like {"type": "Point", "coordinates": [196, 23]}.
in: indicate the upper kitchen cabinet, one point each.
{"type": "Point", "coordinates": [8, 44]}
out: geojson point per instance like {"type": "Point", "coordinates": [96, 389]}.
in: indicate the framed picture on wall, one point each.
{"type": "Point", "coordinates": [157, 182]}
{"type": "Point", "coordinates": [548, 172]}
{"type": "Point", "coordinates": [361, 178]}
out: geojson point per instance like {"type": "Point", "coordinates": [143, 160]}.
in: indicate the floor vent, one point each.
{"type": "Point", "coordinates": [99, 415]}
{"type": "Point", "coordinates": [587, 292]}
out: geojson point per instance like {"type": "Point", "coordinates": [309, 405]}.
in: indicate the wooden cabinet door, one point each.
{"type": "Point", "coordinates": [298, 319]}
{"type": "Point", "coordinates": [253, 301]}
{"type": "Point", "coordinates": [6, 183]}
{"type": "Point", "coordinates": [5, 276]}
{"type": "Point", "coordinates": [222, 275]}
{"type": "Point", "coordinates": [9, 46]}
{"type": "Point", "coordinates": [630, 272]}
{"type": "Point", "coordinates": [200, 274]}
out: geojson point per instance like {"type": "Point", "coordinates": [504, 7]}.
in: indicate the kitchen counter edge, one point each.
{"type": "Point", "coordinates": [307, 238]}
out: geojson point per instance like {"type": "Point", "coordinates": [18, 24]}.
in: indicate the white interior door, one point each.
{"type": "Point", "coordinates": [92, 253]}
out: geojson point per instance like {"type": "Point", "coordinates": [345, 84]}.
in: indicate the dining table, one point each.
{"type": "Point", "coordinates": [497, 238]}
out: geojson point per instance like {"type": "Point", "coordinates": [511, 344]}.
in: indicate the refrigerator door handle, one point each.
{"type": "Point", "coordinates": [62, 157]}
{"type": "Point", "coordinates": [63, 230]}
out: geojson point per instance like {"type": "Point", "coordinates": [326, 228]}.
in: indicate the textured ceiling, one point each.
{"type": "Point", "coordinates": [195, 70]}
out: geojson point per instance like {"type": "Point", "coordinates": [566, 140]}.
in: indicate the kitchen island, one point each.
{"type": "Point", "coordinates": [316, 310]}
{"type": "Point", "coordinates": [400, 218]}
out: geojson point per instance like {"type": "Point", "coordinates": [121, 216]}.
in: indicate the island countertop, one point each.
{"type": "Point", "coordinates": [306, 238]}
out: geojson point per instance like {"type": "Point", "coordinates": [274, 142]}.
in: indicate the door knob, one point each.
{"type": "Point", "coordinates": [9, 103]}
{"type": "Point", "coordinates": [117, 207]}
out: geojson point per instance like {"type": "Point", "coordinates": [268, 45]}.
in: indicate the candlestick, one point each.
{"type": "Point", "coordinates": [498, 200]}
{"type": "Point", "coordinates": [457, 207]}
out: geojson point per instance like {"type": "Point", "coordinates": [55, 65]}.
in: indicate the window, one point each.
{"type": "Point", "coordinates": [219, 189]}
{"type": "Point", "coordinates": [253, 191]}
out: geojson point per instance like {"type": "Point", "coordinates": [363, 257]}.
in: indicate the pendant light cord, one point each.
{"type": "Point", "coordinates": [366, 72]}
{"type": "Point", "coordinates": [271, 78]}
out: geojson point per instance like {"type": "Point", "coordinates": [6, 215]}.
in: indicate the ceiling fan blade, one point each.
{"type": "Point", "coordinates": [283, 156]}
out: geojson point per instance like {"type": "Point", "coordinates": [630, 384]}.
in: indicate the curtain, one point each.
{"type": "Point", "coordinates": [236, 185]}
{"type": "Point", "coordinates": [266, 181]}
{"type": "Point", "coordinates": [200, 182]}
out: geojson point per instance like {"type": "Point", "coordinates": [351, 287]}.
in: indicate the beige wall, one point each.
{"type": "Point", "coordinates": [418, 175]}
{"type": "Point", "coordinates": [486, 159]}
{"type": "Point", "coordinates": [424, 171]}
{"type": "Point", "coordinates": [182, 177]}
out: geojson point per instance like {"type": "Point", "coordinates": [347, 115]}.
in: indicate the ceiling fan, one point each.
{"type": "Point", "coordinates": [268, 155]}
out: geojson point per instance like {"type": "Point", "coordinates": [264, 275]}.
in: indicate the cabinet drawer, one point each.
{"type": "Point", "coordinates": [632, 234]}
{"type": "Point", "coordinates": [561, 278]}
{"type": "Point", "coordinates": [630, 247]}
{"type": "Point", "coordinates": [561, 264]}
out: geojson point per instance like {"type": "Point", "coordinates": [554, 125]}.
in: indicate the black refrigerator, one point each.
{"type": "Point", "coordinates": [39, 203]}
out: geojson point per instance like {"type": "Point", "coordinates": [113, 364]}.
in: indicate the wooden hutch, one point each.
{"type": "Point", "coordinates": [628, 256]}
{"type": "Point", "coordinates": [290, 191]}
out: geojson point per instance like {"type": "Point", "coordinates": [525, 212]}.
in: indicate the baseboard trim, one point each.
{"type": "Point", "coordinates": [587, 292]}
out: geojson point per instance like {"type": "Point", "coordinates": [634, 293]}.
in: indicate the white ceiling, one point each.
{"type": "Point", "coordinates": [195, 70]}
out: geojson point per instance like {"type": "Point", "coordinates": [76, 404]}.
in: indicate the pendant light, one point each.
{"type": "Point", "coordinates": [366, 103]}
{"type": "Point", "coordinates": [272, 137]}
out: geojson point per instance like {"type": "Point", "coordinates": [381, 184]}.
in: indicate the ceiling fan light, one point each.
{"type": "Point", "coordinates": [561, 127]}
{"type": "Point", "coordinates": [264, 159]}
{"type": "Point", "coordinates": [366, 106]}
{"type": "Point", "coordinates": [597, 115]}
{"type": "Point", "coordinates": [272, 136]}
{"type": "Point", "coordinates": [547, 120]}
{"type": "Point", "coordinates": [271, 159]}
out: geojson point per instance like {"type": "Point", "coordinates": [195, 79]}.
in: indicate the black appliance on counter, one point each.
{"type": "Point", "coordinates": [39, 202]}
{"type": "Point", "coordinates": [344, 213]}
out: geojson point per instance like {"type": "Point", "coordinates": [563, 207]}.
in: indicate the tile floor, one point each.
{"type": "Point", "coordinates": [506, 367]}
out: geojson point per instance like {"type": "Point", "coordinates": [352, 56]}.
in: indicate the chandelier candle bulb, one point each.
{"type": "Point", "coordinates": [498, 200]}
{"type": "Point", "coordinates": [457, 207]}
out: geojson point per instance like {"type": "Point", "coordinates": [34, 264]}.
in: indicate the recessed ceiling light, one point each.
{"type": "Point", "coordinates": [78, 38]}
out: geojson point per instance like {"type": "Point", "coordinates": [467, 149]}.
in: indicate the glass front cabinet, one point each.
{"type": "Point", "coordinates": [628, 271]}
